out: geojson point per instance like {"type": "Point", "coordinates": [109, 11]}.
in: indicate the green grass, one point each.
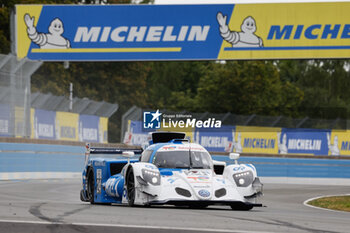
{"type": "Point", "coordinates": [334, 203]}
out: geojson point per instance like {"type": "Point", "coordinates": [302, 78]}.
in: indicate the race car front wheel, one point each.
{"type": "Point", "coordinates": [90, 185]}
{"type": "Point", "coordinates": [130, 187]}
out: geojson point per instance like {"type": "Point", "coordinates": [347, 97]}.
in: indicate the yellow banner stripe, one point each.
{"type": "Point", "coordinates": [107, 50]}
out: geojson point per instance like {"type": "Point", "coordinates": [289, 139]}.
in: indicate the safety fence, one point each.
{"type": "Point", "coordinates": [54, 125]}
{"type": "Point", "coordinates": [45, 116]}
{"type": "Point", "coordinates": [15, 94]}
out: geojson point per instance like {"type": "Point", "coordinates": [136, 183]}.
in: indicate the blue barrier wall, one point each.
{"type": "Point", "coordinates": [22, 157]}
{"type": "Point", "coordinates": [16, 147]}
{"type": "Point", "coordinates": [17, 157]}
{"type": "Point", "coordinates": [296, 167]}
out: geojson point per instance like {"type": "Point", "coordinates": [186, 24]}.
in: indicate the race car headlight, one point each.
{"type": "Point", "coordinates": [243, 179]}
{"type": "Point", "coordinates": [150, 176]}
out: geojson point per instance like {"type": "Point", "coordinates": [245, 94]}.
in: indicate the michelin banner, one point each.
{"type": "Point", "coordinates": [89, 128]}
{"type": "Point", "coordinates": [304, 141]}
{"type": "Point", "coordinates": [183, 32]}
{"type": "Point", "coordinates": [103, 129]}
{"type": "Point", "coordinates": [216, 140]}
{"type": "Point", "coordinates": [338, 142]}
{"type": "Point", "coordinates": [20, 121]}
{"type": "Point", "coordinates": [135, 135]}
{"type": "Point", "coordinates": [44, 126]}
{"type": "Point", "coordinates": [257, 140]}
{"type": "Point", "coordinates": [67, 126]}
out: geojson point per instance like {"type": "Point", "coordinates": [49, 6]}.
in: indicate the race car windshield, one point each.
{"type": "Point", "coordinates": [181, 159]}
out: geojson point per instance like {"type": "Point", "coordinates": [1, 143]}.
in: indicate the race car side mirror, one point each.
{"type": "Point", "coordinates": [128, 154]}
{"type": "Point", "coordinates": [234, 156]}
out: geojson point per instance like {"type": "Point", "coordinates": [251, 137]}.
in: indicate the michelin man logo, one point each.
{"type": "Point", "coordinates": [333, 148]}
{"type": "Point", "coordinates": [245, 38]}
{"type": "Point", "coordinates": [282, 146]}
{"type": "Point", "coordinates": [51, 40]}
{"type": "Point", "coordinates": [151, 120]}
{"type": "Point", "coordinates": [237, 146]}
{"type": "Point", "coordinates": [234, 145]}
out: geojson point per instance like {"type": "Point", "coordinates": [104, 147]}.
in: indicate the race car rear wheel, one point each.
{"type": "Point", "coordinates": [90, 185]}
{"type": "Point", "coordinates": [130, 187]}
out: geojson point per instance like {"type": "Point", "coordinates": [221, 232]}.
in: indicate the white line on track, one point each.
{"type": "Point", "coordinates": [130, 226]}
{"type": "Point", "coordinates": [320, 208]}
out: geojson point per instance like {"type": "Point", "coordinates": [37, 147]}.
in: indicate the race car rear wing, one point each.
{"type": "Point", "coordinates": [159, 137]}
{"type": "Point", "coordinates": [107, 150]}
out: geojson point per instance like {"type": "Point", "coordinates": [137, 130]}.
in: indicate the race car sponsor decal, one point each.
{"type": "Point", "coordinates": [100, 163]}
{"type": "Point", "coordinates": [168, 148]}
{"type": "Point", "coordinates": [239, 168]}
{"type": "Point", "coordinates": [182, 147]}
{"type": "Point", "coordinates": [220, 180]}
{"type": "Point", "coordinates": [204, 193]}
{"type": "Point", "coordinates": [197, 172]}
{"type": "Point", "coordinates": [194, 179]}
{"type": "Point", "coordinates": [172, 180]}
{"type": "Point", "coordinates": [114, 186]}
{"type": "Point", "coordinates": [150, 166]}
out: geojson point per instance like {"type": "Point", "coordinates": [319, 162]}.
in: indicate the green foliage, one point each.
{"type": "Point", "coordinates": [168, 83]}
{"type": "Point", "coordinates": [325, 84]}
{"type": "Point", "coordinates": [242, 87]}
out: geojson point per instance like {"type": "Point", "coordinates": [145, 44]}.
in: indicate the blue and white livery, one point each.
{"type": "Point", "coordinates": [170, 171]}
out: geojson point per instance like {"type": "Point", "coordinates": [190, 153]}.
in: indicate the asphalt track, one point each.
{"type": "Point", "coordinates": [54, 206]}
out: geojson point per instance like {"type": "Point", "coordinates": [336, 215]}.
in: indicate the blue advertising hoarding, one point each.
{"type": "Point", "coordinates": [216, 140]}
{"type": "Point", "coordinates": [258, 140]}
{"type": "Point", "coordinates": [135, 134]}
{"type": "Point", "coordinates": [303, 141]}
{"type": "Point", "coordinates": [44, 124]}
{"type": "Point", "coordinates": [89, 128]}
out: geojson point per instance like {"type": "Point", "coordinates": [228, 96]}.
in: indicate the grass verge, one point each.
{"type": "Point", "coordinates": [333, 203]}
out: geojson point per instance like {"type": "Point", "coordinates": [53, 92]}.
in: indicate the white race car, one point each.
{"type": "Point", "coordinates": [170, 171]}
